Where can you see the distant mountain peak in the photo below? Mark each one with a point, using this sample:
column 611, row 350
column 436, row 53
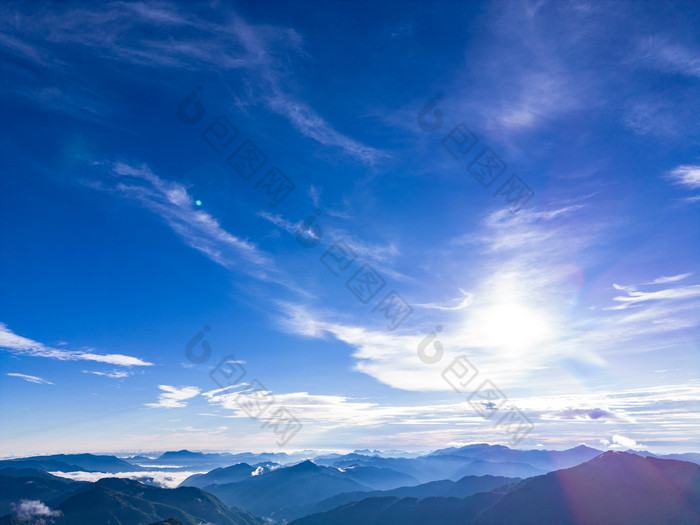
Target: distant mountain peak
column 117, row 483
column 182, row 454
column 305, row 466
column 582, row 446
column 617, row 454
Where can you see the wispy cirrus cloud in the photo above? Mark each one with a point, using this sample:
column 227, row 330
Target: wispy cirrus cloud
column 635, row 297
column 543, row 86
column 171, row 201
column 309, row 123
column 583, row 414
column 20, row 345
column 380, row 253
column 114, row 374
column 133, row 33
column 686, row 175
column 670, row 279
column 31, row 379
column 457, row 304
column 634, row 288
column 334, row 411
column 174, row 397
column 669, row 57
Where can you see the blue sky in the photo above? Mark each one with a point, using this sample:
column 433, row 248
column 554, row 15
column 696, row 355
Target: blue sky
column 125, row 233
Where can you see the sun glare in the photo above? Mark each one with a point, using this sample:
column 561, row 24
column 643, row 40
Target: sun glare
column 511, row 325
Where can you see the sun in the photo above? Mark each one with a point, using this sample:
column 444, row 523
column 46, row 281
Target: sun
column 511, row 326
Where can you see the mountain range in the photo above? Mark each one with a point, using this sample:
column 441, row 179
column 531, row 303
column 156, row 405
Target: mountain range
column 73, row 463
column 223, row 475
column 120, row 501
column 578, row 486
column 464, row 487
column 615, row 488
column 287, row 487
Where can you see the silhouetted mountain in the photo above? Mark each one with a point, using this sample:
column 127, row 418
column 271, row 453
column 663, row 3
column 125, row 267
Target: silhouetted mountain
column 186, row 455
column 122, row 501
column 478, row 459
column 405, row 511
column 28, row 472
column 115, row 501
column 29, row 484
column 615, row 488
column 73, row 462
column 285, row 487
column 416, row 468
column 541, row 460
column 223, row 475
column 188, row 458
column 687, row 456
column 46, row 465
column 265, row 457
column 171, row 521
column 321, row 459
column 464, row 487
column 492, row 468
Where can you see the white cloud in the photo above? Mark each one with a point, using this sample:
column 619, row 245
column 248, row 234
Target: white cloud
column 670, row 279
column 165, row 479
column 392, row 357
column 458, row 304
column 333, row 411
column 622, row 442
column 19, row 345
column 686, row 175
column 673, row 405
column 632, row 404
column 31, row 379
column 30, row 509
column 635, row 297
column 114, row 374
column 173, row 397
column 527, row 272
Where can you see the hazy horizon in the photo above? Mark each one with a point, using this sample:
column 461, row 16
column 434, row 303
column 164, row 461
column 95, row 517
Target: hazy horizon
column 291, row 452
